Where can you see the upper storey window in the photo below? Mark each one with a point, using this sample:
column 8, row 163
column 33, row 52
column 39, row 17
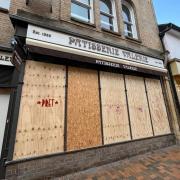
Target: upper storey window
column 129, row 20
column 4, row 4
column 82, row 10
column 108, row 17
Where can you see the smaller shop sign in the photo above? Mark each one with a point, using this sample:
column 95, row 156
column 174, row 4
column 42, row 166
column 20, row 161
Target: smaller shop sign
column 18, row 56
column 16, row 60
column 117, row 65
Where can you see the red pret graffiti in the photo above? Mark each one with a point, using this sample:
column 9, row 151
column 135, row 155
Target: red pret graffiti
column 47, row 102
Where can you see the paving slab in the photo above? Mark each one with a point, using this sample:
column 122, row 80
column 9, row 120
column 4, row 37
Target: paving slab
column 162, row 164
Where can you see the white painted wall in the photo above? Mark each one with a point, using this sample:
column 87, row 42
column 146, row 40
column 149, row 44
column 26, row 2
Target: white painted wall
column 171, row 42
column 4, row 103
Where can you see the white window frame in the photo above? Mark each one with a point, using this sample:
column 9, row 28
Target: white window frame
column 113, row 15
column 133, row 23
column 5, row 4
column 89, row 7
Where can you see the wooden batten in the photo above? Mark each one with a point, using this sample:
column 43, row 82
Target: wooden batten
column 157, row 107
column 83, row 109
column 40, row 128
column 138, row 108
column 114, row 108
column 5, row 90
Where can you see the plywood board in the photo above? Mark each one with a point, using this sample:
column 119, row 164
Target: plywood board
column 40, row 127
column 83, row 109
column 157, row 107
column 138, row 108
column 114, row 108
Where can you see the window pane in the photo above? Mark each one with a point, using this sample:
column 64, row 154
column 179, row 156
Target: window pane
column 106, row 22
column 5, row 4
column 80, row 12
column 126, row 14
column 128, row 30
column 105, row 6
column 128, row 34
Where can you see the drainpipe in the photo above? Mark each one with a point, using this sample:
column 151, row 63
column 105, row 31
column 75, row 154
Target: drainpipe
column 166, row 58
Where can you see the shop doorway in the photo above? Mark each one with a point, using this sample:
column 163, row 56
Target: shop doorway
column 4, row 103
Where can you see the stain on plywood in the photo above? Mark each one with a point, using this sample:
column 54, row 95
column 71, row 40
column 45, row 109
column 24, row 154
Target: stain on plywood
column 83, row 109
column 138, row 108
column 40, row 127
column 157, row 107
column 114, row 108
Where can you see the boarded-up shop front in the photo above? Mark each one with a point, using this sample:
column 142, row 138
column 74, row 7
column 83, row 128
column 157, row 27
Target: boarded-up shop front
column 78, row 101
column 70, row 108
column 101, row 107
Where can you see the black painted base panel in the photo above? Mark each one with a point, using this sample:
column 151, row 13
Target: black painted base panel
column 58, row 165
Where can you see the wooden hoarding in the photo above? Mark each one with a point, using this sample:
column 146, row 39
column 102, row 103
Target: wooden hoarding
column 157, row 107
column 114, row 108
column 83, row 109
column 40, row 128
column 138, row 108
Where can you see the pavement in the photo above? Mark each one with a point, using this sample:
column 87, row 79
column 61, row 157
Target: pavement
column 162, row 164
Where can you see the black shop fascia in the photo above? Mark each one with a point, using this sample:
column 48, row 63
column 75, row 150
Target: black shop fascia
column 56, row 45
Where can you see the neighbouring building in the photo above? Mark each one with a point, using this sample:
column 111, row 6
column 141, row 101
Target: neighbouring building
column 6, row 75
column 170, row 35
column 90, row 86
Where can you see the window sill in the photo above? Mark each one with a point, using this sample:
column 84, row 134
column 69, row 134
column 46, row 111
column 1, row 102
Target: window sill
column 133, row 39
column 83, row 22
column 111, row 32
column 4, row 10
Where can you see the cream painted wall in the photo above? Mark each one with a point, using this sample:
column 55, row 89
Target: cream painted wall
column 171, row 41
column 4, row 103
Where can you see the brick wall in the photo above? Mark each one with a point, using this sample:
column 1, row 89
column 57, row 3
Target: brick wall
column 41, row 7
column 6, row 29
column 148, row 29
column 58, row 165
column 61, row 9
column 146, row 22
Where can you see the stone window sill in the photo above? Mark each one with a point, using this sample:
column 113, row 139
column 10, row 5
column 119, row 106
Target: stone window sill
column 83, row 22
column 111, row 32
column 133, row 39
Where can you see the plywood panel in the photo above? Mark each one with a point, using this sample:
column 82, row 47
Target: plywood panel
column 83, row 117
column 40, row 128
column 157, row 107
column 114, row 108
column 138, row 108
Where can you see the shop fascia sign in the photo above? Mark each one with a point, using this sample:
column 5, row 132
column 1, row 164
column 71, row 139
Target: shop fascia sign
column 16, row 60
column 5, row 58
column 76, row 43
